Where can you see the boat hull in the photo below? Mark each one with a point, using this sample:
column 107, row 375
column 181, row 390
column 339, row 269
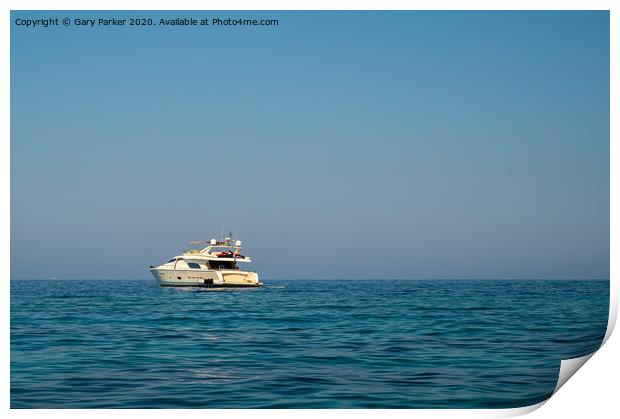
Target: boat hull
column 205, row 278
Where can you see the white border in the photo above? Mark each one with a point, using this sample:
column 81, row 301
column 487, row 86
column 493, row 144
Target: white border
column 574, row 400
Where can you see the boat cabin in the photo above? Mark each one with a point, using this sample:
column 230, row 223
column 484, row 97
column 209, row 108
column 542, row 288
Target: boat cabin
column 214, row 265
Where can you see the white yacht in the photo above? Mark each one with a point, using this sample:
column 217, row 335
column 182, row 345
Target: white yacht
column 213, row 266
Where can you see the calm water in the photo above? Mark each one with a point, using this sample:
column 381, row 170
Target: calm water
column 298, row 344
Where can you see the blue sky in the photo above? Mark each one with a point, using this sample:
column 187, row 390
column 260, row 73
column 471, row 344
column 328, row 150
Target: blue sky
column 337, row 144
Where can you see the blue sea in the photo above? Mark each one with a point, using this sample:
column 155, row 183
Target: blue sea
column 298, row 343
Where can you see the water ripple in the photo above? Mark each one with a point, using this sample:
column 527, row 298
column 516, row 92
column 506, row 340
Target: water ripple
column 298, row 344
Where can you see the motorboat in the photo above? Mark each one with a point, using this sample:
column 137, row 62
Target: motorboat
column 214, row 266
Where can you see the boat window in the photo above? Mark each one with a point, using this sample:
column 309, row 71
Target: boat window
column 193, row 265
column 222, row 264
column 172, row 260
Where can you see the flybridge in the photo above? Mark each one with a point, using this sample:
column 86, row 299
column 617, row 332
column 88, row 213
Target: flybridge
column 227, row 242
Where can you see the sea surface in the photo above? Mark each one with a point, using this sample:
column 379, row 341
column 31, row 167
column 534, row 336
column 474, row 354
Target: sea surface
column 298, row 343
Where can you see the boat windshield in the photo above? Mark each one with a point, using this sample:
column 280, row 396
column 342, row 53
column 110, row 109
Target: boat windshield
column 218, row 249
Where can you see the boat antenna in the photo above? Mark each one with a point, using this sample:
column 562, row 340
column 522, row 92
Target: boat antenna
column 222, row 233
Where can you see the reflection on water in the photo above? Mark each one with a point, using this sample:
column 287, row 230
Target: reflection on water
column 300, row 344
